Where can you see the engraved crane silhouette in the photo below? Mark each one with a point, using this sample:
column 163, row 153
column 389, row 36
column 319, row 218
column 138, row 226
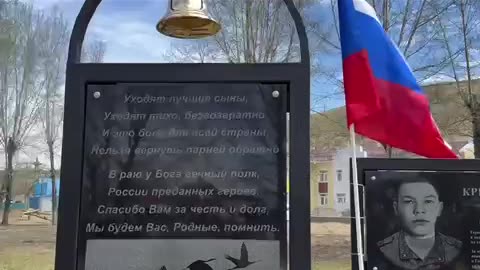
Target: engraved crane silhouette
column 243, row 261
column 200, row 265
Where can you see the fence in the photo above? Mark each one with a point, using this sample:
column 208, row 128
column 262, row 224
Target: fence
column 15, row 206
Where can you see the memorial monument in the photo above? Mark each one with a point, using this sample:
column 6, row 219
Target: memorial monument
column 175, row 166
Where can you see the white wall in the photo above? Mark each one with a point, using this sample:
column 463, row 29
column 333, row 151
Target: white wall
column 342, row 187
column 45, row 204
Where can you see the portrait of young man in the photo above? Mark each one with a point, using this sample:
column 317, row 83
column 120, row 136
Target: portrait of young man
column 417, row 244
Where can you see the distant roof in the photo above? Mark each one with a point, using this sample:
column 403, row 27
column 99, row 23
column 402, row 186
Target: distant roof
column 377, row 150
column 317, row 156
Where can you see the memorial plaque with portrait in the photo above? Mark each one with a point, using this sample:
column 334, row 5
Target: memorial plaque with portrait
column 422, row 220
column 184, row 175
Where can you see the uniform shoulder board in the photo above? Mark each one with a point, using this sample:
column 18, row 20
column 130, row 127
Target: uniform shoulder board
column 387, row 240
column 451, row 241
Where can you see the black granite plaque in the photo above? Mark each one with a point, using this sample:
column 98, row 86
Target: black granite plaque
column 183, row 162
column 423, row 220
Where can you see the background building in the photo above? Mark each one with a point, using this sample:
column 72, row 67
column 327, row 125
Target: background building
column 341, row 169
column 41, row 198
column 330, row 182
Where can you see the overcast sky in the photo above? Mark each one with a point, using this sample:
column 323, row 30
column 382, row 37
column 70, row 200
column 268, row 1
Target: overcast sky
column 126, row 26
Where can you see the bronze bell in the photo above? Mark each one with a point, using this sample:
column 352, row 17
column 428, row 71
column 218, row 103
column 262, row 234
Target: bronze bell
column 188, row 19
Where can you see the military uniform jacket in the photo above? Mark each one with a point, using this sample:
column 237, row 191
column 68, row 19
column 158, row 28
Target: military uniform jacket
column 397, row 255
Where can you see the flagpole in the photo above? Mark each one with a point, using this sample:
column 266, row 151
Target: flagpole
column 356, row 198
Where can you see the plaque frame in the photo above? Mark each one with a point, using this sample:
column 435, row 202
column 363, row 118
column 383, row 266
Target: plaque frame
column 369, row 165
column 295, row 75
column 106, row 93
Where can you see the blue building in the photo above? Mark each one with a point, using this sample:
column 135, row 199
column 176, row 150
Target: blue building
column 41, row 198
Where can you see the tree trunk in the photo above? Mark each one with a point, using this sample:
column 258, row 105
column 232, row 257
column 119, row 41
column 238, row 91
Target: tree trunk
column 26, row 196
column 389, row 151
column 11, row 148
column 476, row 135
column 54, row 188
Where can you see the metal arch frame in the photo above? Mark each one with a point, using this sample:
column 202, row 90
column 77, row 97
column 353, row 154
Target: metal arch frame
column 90, row 6
column 295, row 75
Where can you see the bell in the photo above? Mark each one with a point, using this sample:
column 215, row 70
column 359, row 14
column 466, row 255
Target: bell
column 187, row 19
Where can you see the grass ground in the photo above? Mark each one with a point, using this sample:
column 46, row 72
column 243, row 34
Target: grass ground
column 30, row 245
column 333, row 265
column 26, row 259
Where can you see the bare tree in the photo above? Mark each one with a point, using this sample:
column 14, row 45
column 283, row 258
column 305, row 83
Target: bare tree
column 54, row 40
column 200, row 51
column 53, row 43
column 93, row 51
column 410, row 25
column 253, row 31
column 20, row 100
column 460, row 42
column 5, row 48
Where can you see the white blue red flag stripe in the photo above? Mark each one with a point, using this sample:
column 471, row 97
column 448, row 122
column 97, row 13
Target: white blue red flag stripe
column 383, row 99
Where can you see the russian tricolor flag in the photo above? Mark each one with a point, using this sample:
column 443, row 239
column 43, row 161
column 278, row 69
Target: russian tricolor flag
column 383, row 99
